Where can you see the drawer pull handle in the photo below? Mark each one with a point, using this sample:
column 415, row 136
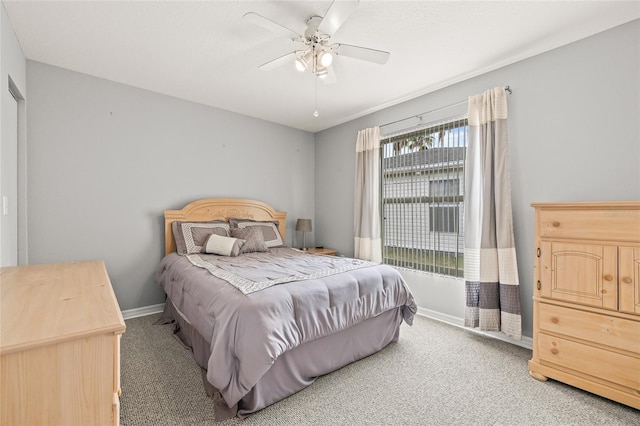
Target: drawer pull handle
column 538, row 252
column 608, row 277
column 556, row 223
column 554, row 351
column 555, row 320
column 627, row 280
column 539, row 285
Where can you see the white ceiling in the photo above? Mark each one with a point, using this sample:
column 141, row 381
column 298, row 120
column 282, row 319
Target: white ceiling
column 204, row 52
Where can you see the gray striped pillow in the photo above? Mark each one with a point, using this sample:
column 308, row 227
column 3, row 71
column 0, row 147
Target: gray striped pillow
column 252, row 236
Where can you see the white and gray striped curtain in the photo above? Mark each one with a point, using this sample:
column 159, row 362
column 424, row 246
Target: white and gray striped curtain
column 490, row 268
column 368, row 240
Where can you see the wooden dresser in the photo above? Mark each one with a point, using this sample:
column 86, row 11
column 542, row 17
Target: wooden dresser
column 586, row 329
column 59, row 345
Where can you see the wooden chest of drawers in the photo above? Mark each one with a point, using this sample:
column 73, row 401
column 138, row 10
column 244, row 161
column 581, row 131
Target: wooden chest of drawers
column 587, row 297
column 59, row 346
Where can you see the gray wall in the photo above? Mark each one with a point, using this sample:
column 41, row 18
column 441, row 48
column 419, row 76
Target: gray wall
column 574, row 135
column 106, row 159
column 12, row 73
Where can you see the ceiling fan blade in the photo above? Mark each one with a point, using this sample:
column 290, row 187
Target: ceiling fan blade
column 272, row 26
column 278, row 62
column 337, row 13
column 363, row 53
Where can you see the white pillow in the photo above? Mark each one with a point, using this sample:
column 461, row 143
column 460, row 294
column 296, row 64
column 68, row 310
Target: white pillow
column 223, row 246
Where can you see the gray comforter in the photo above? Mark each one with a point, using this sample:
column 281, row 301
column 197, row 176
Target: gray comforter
column 248, row 332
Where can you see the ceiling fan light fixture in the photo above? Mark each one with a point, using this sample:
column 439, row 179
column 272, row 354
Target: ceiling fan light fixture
column 302, row 61
column 322, row 72
column 300, row 65
column 325, row 59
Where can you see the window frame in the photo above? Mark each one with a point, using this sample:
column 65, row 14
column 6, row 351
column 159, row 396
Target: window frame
column 400, row 250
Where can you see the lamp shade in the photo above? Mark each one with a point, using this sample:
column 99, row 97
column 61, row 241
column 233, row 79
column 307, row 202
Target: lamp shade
column 303, row 225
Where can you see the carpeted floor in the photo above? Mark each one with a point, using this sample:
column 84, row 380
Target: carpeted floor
column 435, row 375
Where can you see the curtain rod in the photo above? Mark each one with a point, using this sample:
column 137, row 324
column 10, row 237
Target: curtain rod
column 507, row 89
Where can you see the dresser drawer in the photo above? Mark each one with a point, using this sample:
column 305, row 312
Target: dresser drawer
column 596, row 224
column 605, row 330
column 611, row 366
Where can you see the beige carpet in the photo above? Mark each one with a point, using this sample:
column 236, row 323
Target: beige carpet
column 435, row 375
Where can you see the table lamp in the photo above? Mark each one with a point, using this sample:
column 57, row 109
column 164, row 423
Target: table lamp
column 303, row 225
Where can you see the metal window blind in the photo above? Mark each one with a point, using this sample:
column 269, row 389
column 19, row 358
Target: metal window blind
column 423, row 197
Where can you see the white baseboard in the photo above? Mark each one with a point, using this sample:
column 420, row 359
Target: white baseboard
column 449, row 319
column 143, row 311
column 526, row 342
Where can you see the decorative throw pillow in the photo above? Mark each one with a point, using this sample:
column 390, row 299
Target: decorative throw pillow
column 254, row 241
column 190, row 236
column 269, row 229
column 223, row 246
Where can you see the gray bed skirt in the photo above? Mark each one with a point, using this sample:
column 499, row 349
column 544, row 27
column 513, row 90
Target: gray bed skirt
column 295, row 369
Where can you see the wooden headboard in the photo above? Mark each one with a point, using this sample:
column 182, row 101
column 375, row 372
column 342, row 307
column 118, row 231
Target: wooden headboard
column 220, row 209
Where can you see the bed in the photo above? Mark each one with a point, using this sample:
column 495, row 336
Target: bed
column 264, row 324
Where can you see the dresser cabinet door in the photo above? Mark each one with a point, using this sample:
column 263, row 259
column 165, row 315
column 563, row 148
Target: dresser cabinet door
column 629, row 280
column 580, row 273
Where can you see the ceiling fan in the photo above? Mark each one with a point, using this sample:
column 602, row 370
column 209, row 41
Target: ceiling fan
column 316, row 52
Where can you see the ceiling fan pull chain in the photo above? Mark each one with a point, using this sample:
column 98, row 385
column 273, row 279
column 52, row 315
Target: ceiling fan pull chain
column 315, row 114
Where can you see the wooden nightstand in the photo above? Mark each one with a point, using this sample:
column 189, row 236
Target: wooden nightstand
column 328, row 252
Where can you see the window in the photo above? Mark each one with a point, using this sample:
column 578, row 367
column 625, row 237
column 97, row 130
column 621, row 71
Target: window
column 422, row 198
